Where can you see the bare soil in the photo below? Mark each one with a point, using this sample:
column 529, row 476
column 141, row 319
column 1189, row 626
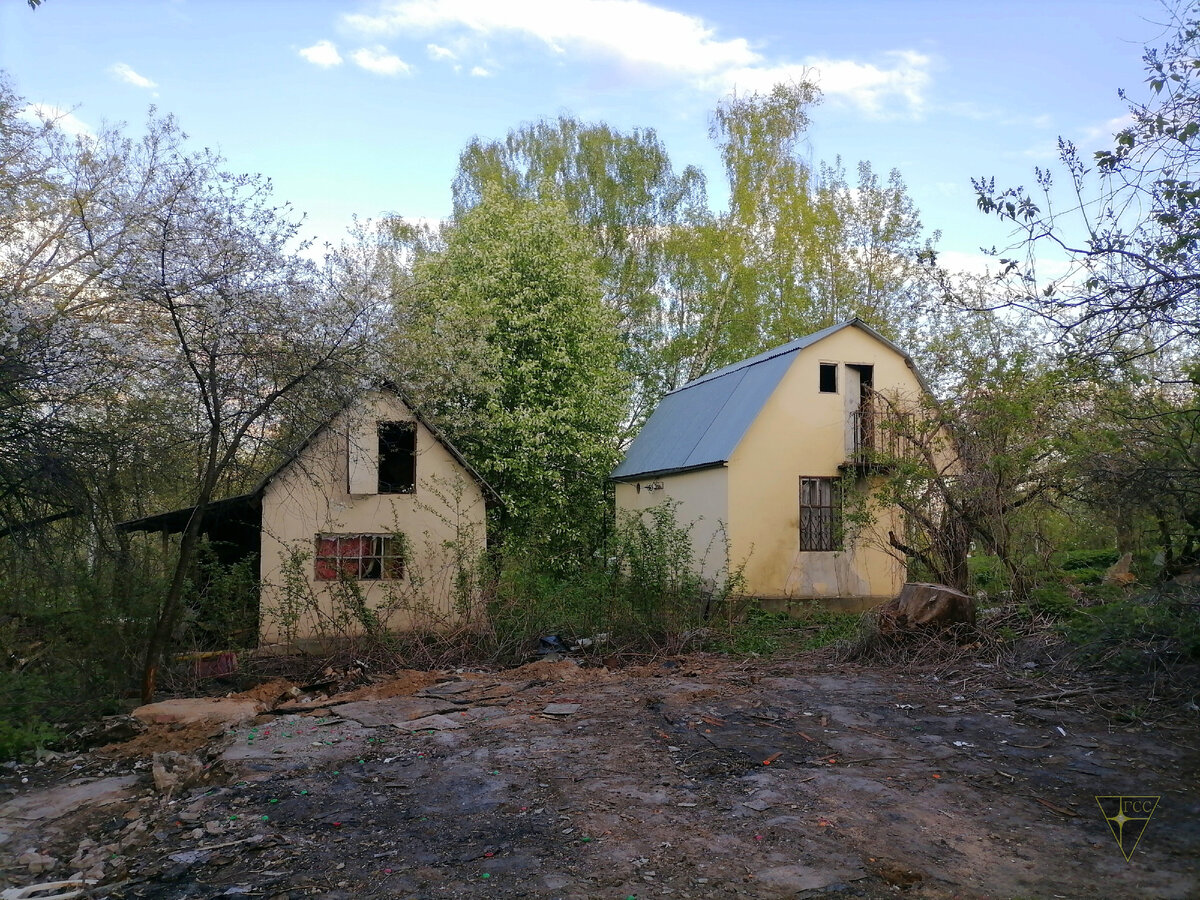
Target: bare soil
column 690, row 777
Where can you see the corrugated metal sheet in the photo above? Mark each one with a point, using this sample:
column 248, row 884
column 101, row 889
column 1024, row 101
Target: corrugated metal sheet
column 701, row 423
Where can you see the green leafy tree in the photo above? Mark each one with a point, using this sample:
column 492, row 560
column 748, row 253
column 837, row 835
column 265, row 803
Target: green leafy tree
column 623, row 191
column 985, row 463
column 518, row 301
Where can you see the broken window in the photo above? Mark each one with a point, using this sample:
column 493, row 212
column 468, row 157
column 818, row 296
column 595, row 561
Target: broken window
column 397, row 457
column 828, row 378
column 358, row 557
column 820, row 514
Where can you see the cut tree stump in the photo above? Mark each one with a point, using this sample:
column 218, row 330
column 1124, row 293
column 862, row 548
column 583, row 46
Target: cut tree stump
column 924, row 606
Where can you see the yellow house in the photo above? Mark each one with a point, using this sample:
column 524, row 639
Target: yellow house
column 375, row 517
column 755, row 456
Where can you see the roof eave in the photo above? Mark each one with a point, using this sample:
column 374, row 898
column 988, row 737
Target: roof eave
column 678, row 470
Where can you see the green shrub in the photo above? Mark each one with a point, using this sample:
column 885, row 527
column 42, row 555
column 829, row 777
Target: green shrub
column 1088, row 575
column 1071, row 560
column 1052, row 600
column 987, row 574
column 767, row 633
column 648, row 595
column 1136, row 634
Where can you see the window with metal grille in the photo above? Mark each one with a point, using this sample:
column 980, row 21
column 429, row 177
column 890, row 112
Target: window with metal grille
column 820, row 514
column 358, row 557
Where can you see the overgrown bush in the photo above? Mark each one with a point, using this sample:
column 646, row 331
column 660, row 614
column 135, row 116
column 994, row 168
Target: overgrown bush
column 1140, row 633
column 71, row 638
column 1052, row 600
column 1071, row 560
column 648, row 595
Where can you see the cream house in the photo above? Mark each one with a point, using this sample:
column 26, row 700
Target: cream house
column 755, row 456
column 375, row 505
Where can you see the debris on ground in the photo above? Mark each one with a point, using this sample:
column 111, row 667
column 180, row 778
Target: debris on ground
column 689, row 777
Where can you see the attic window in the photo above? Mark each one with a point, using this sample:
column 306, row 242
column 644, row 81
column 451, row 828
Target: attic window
column 358, row 557
column 828, row 378
column 397, row 457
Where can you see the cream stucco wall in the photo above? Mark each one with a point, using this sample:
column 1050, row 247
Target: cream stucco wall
column 802, row 432
column 703, row 505
column 443, row 520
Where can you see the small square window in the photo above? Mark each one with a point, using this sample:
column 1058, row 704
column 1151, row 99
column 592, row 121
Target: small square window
column 829, row 378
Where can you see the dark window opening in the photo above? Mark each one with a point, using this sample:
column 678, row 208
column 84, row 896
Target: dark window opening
column 358, row 557
column 397, row 457
column 820, row 514
column 828, row 378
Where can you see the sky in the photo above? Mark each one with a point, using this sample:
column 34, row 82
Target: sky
column 360, row 108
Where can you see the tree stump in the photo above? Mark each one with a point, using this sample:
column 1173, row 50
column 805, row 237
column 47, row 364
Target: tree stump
column 926, row 606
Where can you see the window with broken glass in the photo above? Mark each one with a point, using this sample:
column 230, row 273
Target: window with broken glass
column 820, row 514
column 358, row 557
column 397, row 457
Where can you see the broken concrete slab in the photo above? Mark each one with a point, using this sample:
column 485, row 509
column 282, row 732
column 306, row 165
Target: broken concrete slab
column 58, row 801
column 454, row 688
column 189, row 710
column 376, row 713
column 429, row 723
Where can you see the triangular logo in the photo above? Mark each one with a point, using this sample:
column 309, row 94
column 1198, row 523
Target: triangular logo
column 1127, row 818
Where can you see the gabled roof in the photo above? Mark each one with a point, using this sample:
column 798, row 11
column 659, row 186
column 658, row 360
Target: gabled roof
column 176, row 520
column 700, row 424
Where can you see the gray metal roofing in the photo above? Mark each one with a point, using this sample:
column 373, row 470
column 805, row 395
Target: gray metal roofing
column 700, row 424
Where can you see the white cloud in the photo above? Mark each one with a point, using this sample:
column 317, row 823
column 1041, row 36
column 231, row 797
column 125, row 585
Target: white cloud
column 968, row 263
column 126, row 73
column 377, row 59
column 323, row 54
column 62, row 118
column 1106, row 130
column 645, row 37
column 480, row 72
column 634, row 31
column 881, row 90
column 436, row 52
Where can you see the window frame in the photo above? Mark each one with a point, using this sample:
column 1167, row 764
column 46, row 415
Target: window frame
column 820, row 523
column 382, row 561
column 387, row 487
column 822, row 369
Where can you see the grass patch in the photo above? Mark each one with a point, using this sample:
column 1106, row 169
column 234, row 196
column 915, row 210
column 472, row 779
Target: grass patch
column 764, row 633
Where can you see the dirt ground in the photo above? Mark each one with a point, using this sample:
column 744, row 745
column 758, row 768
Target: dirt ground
column 689, row 777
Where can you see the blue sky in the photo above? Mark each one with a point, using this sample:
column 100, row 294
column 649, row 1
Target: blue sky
column 361, row 108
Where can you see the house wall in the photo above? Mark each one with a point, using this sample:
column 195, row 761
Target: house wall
column 313, row 496
column 802, row 432
column 703, row 505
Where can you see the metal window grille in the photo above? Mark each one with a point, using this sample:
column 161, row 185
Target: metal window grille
column 358, row 557
column 820, row 514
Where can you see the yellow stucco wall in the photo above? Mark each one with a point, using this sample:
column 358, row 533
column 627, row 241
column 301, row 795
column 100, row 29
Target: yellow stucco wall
column 802, row 432
column 701, row 496
column 311, row 496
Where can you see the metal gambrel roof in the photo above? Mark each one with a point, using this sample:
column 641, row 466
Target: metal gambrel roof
column 700, row 424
